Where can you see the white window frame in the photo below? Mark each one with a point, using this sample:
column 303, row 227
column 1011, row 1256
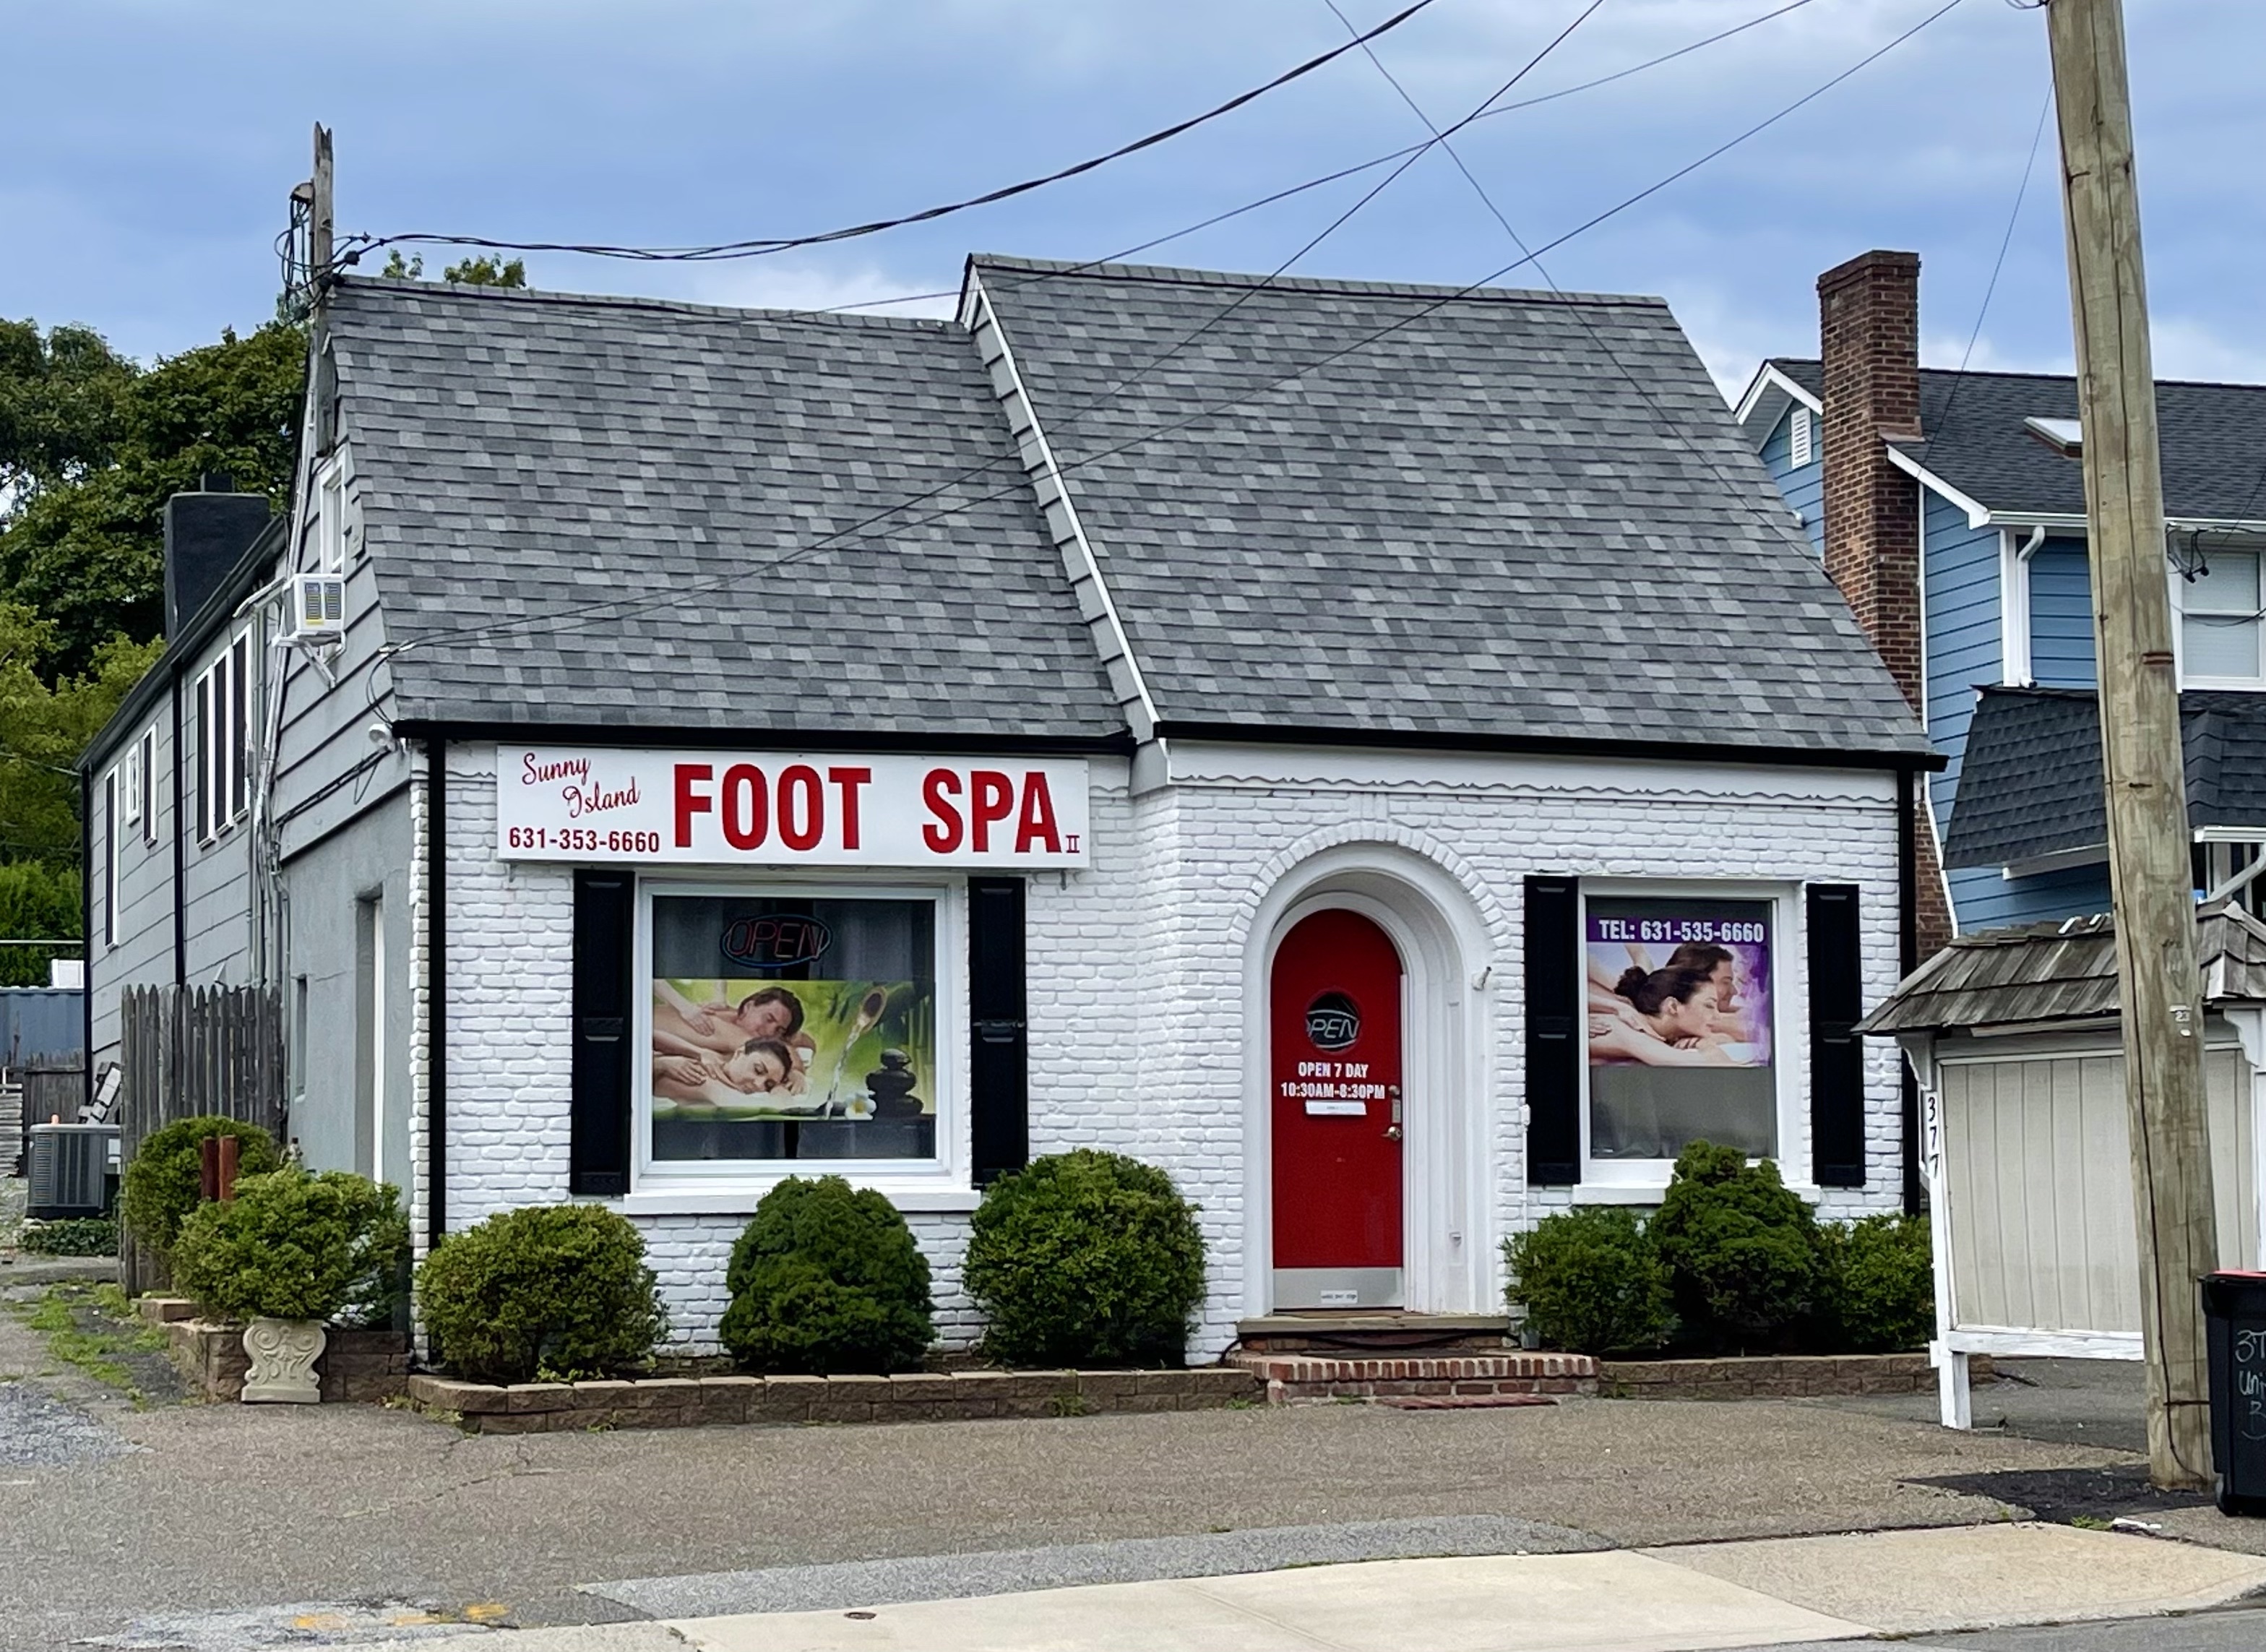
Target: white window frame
column 145, row 768
column 2179, row 589
column 223, row 713
column 1642, row 1181
column 734, row 1185
column 330, row 518
column 111, row 814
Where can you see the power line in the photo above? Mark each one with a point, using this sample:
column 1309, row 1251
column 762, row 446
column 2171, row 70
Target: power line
column 1667, row 425
column 1990, row 288
column 763, row 247
column 1371, row 164
column 624, row 608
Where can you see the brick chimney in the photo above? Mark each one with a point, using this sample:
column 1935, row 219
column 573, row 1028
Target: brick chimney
column 1869, row 338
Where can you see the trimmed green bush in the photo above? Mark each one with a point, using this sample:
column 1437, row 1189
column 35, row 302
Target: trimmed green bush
column 296, row 1244
column 164, row 1179
column 827, row 1280
column 1592, row 1280
column 1876, row 1284
column 73, row 1235
column 1086, row 1258
column 1740, row 1249
column 555, row 1287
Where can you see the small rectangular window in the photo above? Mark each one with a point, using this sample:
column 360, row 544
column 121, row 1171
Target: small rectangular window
column 207, row 724
column 331, row 524
column 110, row 859
column 2220, row 622
column 145, row 764
column 239, row 727
column 1799, row 439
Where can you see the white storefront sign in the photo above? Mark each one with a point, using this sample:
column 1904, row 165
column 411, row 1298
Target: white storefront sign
column 773, row 808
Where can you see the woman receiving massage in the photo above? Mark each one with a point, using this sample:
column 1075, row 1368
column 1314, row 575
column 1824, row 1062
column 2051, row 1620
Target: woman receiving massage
column 1665, row 1018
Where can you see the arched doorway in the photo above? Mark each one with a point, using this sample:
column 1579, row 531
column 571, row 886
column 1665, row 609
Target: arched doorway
column 1336, row 1006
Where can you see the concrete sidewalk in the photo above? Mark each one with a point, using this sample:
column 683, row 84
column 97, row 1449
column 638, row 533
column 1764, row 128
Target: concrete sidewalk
column 1696, row 1598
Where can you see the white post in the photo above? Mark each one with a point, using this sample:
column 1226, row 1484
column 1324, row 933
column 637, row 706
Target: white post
column 1951, row 1373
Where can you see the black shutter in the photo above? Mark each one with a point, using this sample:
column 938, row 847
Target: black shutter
column 1553, row 1032
column 998, row 1064
column 1837, row 1055
column 598, row 1156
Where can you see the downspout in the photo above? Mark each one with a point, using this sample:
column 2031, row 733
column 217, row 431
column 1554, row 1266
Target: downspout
column 437, row 998
column 86, row 946
column 180, row 858
column 1907, row 960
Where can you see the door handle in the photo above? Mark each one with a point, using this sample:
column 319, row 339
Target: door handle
column 1393, row 1132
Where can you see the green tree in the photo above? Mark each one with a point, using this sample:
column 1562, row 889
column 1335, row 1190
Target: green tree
column 94, row 460
column 44, row 725
column 472, row 271
column 36, row 899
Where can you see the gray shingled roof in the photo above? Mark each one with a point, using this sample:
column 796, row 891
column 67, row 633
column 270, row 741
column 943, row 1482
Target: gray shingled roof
column 545, row 456
column 1475, row 525
column 2060, row 971
column 2031, row 783
column 2212, row 438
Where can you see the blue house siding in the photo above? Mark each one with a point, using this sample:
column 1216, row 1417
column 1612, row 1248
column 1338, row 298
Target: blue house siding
column 2061, row 615
column 1984, row 900
column 1959, row 581
column 1804, row 484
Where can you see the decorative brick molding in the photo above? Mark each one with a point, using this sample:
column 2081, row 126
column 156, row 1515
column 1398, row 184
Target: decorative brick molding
column 1791, row 1377
column 1294, row 1379
column 676, row 1402
column 365, row 1366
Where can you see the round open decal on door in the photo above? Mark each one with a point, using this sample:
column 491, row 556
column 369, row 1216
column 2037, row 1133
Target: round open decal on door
column 1336, row 1115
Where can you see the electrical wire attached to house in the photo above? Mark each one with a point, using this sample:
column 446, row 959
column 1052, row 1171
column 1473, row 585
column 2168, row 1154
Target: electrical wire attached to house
column 613, row 610
column 353, row 247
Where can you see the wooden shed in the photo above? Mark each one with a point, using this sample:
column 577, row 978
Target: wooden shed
column 2014, row 1036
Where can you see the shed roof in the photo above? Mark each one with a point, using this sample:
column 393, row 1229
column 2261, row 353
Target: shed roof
column 2212, row 435
column 2064, row 971
column 2030, row 783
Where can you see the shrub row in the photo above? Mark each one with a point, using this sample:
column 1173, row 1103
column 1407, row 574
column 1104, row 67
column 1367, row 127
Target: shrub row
column 1734, row 1261
column 1083, row 1258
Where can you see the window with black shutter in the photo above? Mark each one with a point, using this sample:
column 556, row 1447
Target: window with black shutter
column 999, row 1062
column 605, row 918
column 1553, row 1028
column 1836, row 1055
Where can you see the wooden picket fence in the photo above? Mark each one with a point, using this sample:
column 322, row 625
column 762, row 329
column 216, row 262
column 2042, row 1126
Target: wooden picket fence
column 188, row 1051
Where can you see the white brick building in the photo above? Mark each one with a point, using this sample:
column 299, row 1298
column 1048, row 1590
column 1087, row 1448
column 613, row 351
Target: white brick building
column 1461, row 787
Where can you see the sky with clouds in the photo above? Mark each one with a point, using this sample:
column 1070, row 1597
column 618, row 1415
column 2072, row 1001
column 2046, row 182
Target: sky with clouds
column 147, row 149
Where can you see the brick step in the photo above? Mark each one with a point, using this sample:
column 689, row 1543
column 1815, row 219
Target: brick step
column 1386, row 1335
column 1304, row 1378
column 1460, row 1402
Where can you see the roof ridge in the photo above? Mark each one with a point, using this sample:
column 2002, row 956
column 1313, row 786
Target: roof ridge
column 1167, row 275
column 419, row 287
column 2003, row 372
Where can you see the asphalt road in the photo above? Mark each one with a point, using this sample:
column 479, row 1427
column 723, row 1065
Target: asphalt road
column 2235, row 1629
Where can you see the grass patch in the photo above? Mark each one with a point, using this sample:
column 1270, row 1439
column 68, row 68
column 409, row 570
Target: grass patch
column 93, row 1328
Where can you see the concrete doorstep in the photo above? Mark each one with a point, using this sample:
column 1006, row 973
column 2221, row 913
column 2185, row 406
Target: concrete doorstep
column 1699, row 1598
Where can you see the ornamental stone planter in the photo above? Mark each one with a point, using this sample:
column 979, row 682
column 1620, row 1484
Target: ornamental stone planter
column 368, row 1366
column 282, row 1354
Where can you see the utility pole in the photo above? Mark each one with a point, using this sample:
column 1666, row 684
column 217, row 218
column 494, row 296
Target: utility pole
column 319, row 220
column 2148, row 842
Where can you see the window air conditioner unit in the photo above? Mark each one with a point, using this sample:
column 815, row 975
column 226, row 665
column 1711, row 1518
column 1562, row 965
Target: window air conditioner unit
column 319, row 609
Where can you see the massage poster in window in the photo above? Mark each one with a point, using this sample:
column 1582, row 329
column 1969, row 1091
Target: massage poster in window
column 1679, row 1027
column 793, row 1027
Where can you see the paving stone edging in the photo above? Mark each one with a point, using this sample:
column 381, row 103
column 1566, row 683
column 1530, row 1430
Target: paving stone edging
column 1783, row 1377
column 671, row 1402
column 354, row 1366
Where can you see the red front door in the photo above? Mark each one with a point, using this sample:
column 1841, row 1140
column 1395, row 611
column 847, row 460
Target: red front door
column 1337, row 1123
